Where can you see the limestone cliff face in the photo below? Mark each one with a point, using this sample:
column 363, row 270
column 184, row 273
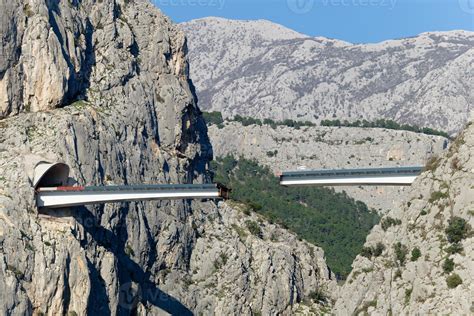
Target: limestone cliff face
column 103, row 86
column 243, row 265
column 286, row 148
column 54, row 51
column 426, row 260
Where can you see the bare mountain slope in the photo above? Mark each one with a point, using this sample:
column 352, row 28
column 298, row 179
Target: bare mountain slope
column 243, row 67
column 425, row 258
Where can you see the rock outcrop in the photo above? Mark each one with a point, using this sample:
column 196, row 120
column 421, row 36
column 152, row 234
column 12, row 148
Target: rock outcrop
column 425, row 255
column 103, row 86
column 259, row 69
column 241, row 264
column 286, row 148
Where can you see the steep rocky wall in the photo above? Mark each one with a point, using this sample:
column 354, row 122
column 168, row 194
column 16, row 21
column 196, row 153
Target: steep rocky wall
column 243, row 265
column 103, row 86
column 286, row 148
column 401, row 280
column 133, row 119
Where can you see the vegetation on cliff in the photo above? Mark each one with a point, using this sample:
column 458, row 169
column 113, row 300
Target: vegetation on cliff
column 334, row 221
column 216, row 118
column 388, row 124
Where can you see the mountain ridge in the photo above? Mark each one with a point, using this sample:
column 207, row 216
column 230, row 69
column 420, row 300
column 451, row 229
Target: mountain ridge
column 217, row 19
column 424, row 80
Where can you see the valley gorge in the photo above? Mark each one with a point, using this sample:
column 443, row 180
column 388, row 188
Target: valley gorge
column 116, row 90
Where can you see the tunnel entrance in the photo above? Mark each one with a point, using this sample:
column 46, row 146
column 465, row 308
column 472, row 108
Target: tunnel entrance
column 50, row 175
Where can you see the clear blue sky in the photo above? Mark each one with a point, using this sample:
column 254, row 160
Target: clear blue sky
column 356, row 21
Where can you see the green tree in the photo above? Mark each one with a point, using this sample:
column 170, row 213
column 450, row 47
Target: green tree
column 213, row 118
column 448, row 265
column 453, row 281
column 457, row 229
column 401, row 252
column 415, row 254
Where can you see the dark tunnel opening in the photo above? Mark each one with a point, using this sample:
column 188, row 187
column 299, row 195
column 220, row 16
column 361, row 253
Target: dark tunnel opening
column 50, row 175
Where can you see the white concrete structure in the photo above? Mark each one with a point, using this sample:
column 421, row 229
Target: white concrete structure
column 50, row 183
column 50, row 174
column 400, row 176
column 61, row 197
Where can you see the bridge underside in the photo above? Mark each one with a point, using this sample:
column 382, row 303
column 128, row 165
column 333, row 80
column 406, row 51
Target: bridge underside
column 396, row 181
column 63, row 197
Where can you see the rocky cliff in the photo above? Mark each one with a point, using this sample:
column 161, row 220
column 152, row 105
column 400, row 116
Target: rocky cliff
column 421, row 258
column 286, row 148
column 260, row 69
column 103, row 86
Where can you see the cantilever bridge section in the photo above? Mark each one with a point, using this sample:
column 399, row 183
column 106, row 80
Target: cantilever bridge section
column 398, row 176
column 61, row 197
column 53, row 190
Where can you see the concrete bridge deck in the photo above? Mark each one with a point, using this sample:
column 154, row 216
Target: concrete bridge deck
column 68, row 196
column 398, row 176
